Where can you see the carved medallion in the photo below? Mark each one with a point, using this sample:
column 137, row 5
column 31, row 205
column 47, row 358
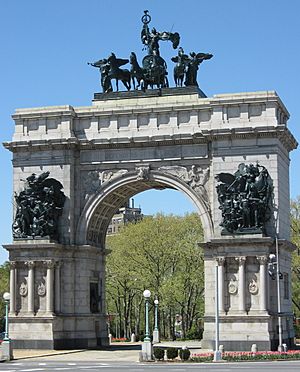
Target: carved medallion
column 253, row 286
column 23, row 289
column 41, row 289
column 233, row 286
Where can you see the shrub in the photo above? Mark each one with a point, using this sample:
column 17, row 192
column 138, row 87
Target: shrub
column 184, row 354
column 172, row 352
column 159, row 353
column 194, row 333
column 297, row 330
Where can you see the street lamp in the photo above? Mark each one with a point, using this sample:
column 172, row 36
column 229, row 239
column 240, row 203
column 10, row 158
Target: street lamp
column 274, row 272
column 217, row 352
column 156, row 331
column 6, row 298
column 147, row 350
column 147, row 295
column 7, row 351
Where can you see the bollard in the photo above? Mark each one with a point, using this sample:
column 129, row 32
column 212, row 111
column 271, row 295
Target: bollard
column 285, row 349
column 109, row 338
column 221, row 349
column 133, row 338
column 254, row 348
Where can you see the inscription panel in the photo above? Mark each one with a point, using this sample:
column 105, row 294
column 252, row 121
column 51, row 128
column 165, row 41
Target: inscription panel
column 142, row 154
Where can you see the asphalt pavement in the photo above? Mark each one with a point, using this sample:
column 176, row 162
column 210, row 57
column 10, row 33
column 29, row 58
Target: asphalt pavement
column 125, row 357
column 36, row 366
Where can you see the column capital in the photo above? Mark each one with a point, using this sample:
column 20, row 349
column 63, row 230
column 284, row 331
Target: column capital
column 12, row 264
column 262, row 260
column 220, row 261
column 49, row 264
column 30, row 264
column 58, row 264
column 241, row 260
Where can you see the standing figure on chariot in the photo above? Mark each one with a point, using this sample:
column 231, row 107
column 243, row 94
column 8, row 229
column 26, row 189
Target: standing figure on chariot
column 154, row 66
column 151, row 38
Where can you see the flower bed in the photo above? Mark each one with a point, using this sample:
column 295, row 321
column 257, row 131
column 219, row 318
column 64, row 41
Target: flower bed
column 247, row 355
column 120, row 339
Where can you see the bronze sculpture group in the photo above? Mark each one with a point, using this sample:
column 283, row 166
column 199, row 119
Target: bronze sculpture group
column 245, row 199
column 38, row 207
column 153, row 72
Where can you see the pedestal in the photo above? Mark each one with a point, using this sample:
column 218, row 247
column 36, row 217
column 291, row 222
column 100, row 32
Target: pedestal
column 59, row 295
column 7, row 350
column 250, row 299
column 147, row 351
column 156, row 337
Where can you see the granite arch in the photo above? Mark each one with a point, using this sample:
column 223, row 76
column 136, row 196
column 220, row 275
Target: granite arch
column 100, row 207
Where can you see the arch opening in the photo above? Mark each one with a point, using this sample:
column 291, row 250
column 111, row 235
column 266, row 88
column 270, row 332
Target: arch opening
column 101, row 207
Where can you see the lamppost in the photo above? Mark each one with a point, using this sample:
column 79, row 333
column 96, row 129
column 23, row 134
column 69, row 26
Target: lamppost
column 6, row 345
column 217, row 353
column 274, row 266
column 147, row 344
column 156, row 331
column 6, row 298
column 147, row 295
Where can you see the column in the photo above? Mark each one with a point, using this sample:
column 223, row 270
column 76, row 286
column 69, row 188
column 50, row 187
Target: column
column 49, row 286
column 221, row 278
column 263, row 281
column 30, row 281
column 12, row 286
column 242, row 282
column 57, row 287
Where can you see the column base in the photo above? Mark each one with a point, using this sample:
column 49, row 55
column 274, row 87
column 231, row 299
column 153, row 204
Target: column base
column 58, row 332
column 239, row 332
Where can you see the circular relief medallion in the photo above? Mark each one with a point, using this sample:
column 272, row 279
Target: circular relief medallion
column 253, row 287
column 41, row 289
column 232, row 288
column 23, row 289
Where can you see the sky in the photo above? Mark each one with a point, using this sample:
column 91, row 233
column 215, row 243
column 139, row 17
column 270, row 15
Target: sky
column 45, row 47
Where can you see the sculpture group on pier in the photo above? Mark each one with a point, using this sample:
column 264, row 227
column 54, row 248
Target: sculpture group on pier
column 38, row 207
column 245, row 199
column 153, row 72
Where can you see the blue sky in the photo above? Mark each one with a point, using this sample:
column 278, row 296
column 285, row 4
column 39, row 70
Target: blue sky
column 46, row 45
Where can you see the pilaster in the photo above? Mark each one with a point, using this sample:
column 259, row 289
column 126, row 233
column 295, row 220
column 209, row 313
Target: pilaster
column 263, row 260
column 30, row 280
column 242, row 282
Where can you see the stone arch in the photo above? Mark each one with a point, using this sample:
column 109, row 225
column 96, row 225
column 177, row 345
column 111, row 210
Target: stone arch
column 100, row 208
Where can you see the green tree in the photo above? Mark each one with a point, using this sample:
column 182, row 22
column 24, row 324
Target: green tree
column 4, row 287
column 161, row 254
column 295, row 237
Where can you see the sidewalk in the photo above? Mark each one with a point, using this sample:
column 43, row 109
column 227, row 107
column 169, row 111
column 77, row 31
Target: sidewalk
column 118, row 351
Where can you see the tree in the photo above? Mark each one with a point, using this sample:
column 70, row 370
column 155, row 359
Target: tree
column 4, row 287
column 161, row 254
column 295, row 237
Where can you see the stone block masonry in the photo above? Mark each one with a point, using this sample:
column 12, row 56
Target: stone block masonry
column 126, row 143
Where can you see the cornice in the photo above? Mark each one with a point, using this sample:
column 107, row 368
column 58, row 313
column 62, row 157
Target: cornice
column 73, row 143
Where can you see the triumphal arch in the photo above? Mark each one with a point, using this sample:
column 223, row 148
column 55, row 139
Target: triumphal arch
column 75, row 166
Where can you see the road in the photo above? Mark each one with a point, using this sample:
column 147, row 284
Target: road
column 37, row 366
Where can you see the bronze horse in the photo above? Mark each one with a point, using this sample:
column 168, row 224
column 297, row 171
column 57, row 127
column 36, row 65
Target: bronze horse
column 136, row 72
column 115, row 72
column 153, row 72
